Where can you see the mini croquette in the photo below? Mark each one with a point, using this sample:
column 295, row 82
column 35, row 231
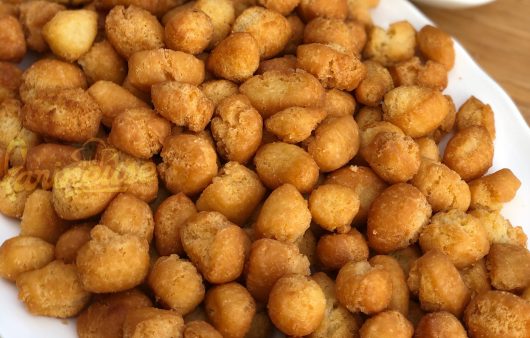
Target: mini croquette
column 333, row 207
column 152, row 323
column 22, row 254
column 335, row 250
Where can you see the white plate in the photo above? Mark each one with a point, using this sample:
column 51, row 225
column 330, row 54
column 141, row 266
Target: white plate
column 454, row 4
column 512, row 150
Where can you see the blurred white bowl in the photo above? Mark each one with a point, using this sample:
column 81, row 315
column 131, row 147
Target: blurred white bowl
column 453, row 4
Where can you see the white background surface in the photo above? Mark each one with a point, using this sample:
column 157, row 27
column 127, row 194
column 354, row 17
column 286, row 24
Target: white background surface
column 512, row 150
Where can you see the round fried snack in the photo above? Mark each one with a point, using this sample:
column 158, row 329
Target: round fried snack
column 396, row 218
column 200, row 329
column 492, row 191
column 475, row 113
column 387, row 323
column 176, row 284
column 127, row 214
column 33, row 16
column 236, row 58
column 189, row 163
column 283, row 63
column 331, row 32
column 284, row 215
column 440, row 324
column 54, row 290
column 218, row 90
column 13, row 192
column 400, row 290
column 297, row 34
column 295, row 124
column 310, row 9
column 296, row 305
column 339, row 103
column 469, row 152
column 428, row 149
column 222, row 14
column 363, row 288
column 406, row 256
column 13, row 46
column 71, row 241
column 23, row 253
column 215, row 245
column 476, row 278
column 103, row 63
column 396, row 44
column 189, row 31
column 268, row 261
column 169, row 217
column 335, row 250
column 237, row 129
column 333, row 207
column 436, row 45
column 235, row 193
column 499, row 229
column 375, row 85
column 284, row 7
column 111, row 262
column 232, row 319
column 509, row 267
column 105, row 316
column 457, row 234
column 280, row 163
column 150, row 322
column 437, row 283
column 498, row 314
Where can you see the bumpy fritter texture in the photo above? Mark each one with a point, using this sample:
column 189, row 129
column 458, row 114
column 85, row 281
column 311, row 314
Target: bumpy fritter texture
column 333, row 32
column 103, row 63
column 218, row 90
column 436, row 45
column 189, row 31
column 152, row 323
column 333, row 207
column 476, row 113
column 71, row 241
column 396, row 44
column 335, row 250
column 200, row 329
column 222, row 13
column 13, row 192
column 476, row 278
column 428, row 149
column 33, row 16
column 375, row 85
column 283, row 7
column 387, row 323
column 440, row 324
column 23, row 253
column 492, row 191
column 498, row 228
column 400, row 290
column 413, row 72
column 509, row 267
column 295, row 124
column 54, row 290
column 310, row 9
column 13, row 46
column 339, row 103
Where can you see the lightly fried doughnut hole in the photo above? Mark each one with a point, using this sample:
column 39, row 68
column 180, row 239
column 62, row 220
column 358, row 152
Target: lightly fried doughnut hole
column 440, row 324
column 71, row 241
column 13, row 46
column 400, row 290
column 509, row 267
column 23, row 253
column 375, row 85
column 33, row 16
column 310, row 9
column 111, row 262
column 189, row 31
column 492, row 191
column 333, row 207
column 103, row 63
column 295, row 124
column 475, row 113
column 436, row 45
column 476, row 278
column 387, row 323
column 296, row 305
column 147, row 322
column 396, row 44
column 335, row 250
column 200, row 329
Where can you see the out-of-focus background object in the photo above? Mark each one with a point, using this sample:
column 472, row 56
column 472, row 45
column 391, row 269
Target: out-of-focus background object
column 497, row 35
column 454, row 3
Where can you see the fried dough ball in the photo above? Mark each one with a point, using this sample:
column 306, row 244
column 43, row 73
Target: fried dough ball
column 69, row 115
column 176, row 284
column 13, row 46
column 277, row 90
column 261, row 326
column 113, row 99
column 391, row 46
column 296, row 305
column 335, row 250
column 200, row 329
column 270, row 29
column 331, row 66
column 338, row 103
column 297, row 34
column 375, row 85
column 393, row 156
column 40, row 219
column 448, row 123
column 284, row 63
column 54, row 290
column 443, row 187
column 222, row 14
column 215, row 245
column 492, row 191
column 335, row 9
column 338, row 322
column 14, row 192
column 498, row 314
column 295, row 124
column 457, row 234
column 359, row 11
column 400, row 290
column 189, row 31
column 233, row 318
column 284, row 7
column 133, row 29
column 413, row 72
column 127, row 214
column 189, row 163
column 111, row 262
column 333, row 207
column 330, row 32
column 371, row 129
column 149, row 67
column 437, row 283
column 268, row 261
column 235, row 193
column 476, row 113
column 218, row 90
column 440, row 324
column 387, row 323
column 171, row 214
column 104, row 317
column 418, row 111
column 364, row 182
column 71, row 241
column 83, row 189
column 103, row 63
column 397, row 217
column 361, row 287
column 237, row 129
column 476, row 278
column 49, row 74
column 284, row 215
column 279, row 163
column 10, row 80
column 23, row 253
column 428, row 149
column 406, row 256
column 499, row 229
column 509, row 267
column 70, row 33
column 235, row 58
column 150, row 322
column 335, row 143
column 33, row 16
column 183, row 104
column 469, row 152
column 436, row 45
column 307, row 245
